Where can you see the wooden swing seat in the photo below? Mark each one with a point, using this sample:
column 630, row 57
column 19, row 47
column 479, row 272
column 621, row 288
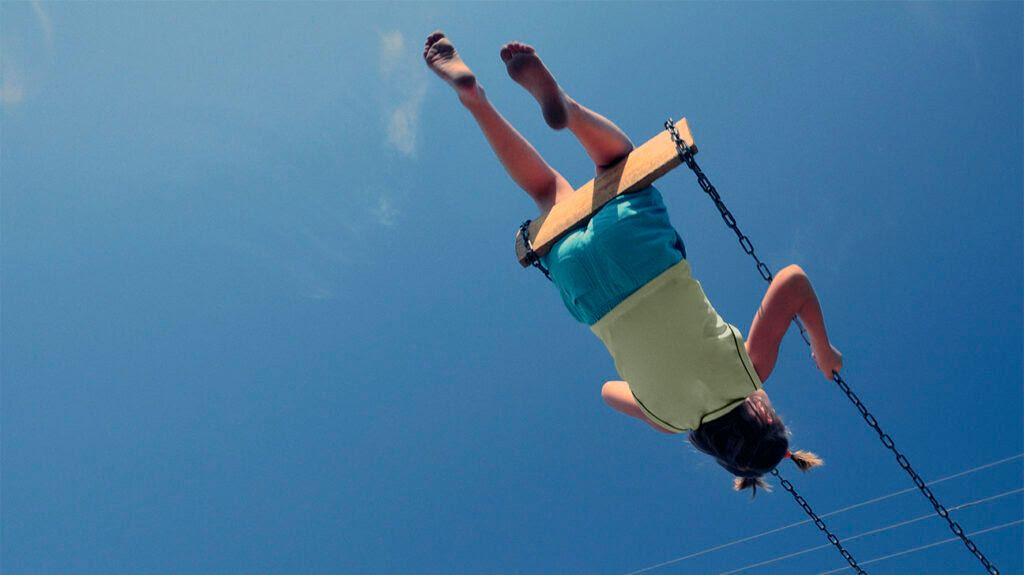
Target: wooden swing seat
column 645, row 164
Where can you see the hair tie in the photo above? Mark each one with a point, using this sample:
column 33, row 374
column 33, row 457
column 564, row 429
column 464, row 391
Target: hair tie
column 788, row 455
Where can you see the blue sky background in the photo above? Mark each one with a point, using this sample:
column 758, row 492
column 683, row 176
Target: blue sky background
column 261, row 313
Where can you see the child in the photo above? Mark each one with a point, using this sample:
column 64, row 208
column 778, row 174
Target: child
column 625, row 274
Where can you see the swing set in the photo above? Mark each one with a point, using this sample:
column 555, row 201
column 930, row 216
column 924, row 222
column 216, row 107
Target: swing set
column 652, row 160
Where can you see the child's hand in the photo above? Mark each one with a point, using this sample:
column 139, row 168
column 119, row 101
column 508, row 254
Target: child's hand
column 827, row 359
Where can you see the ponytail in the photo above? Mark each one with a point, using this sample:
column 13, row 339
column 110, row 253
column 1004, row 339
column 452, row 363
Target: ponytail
column 805, row 460
column 751, row 483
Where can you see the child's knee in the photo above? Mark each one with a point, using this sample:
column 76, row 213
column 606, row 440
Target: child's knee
column 614, row 159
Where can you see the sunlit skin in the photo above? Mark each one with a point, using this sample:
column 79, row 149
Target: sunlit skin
column 790, row 293
column 603, row 141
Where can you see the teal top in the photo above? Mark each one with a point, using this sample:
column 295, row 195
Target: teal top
column 625, row 245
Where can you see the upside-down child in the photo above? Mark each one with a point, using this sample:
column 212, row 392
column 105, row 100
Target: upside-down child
column 625, row 274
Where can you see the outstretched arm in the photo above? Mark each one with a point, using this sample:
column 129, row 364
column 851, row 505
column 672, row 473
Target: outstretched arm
column 790, row 294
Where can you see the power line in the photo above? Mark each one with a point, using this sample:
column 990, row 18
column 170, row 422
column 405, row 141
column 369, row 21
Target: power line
column 930, row 483
column 928, row 546
column 871, row 532
column 829, row 514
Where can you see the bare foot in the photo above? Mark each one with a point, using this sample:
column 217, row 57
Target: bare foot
column 442, row 58
column 525, row 67
column 828, row 360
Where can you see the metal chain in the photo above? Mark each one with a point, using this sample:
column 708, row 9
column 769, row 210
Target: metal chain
column 687, row 156
column 905, row 464
column 531, row 256
column 818, row 522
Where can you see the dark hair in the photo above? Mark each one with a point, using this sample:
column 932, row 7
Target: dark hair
column 749, row 442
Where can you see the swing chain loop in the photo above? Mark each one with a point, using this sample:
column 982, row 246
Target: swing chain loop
column 686, row 155
column 903, row 462
column 818, row 522
column 747, row 245
column 531, row 256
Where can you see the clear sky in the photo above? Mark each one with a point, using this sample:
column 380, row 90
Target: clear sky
column 261, row 312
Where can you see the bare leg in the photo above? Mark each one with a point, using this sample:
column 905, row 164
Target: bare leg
column 522, row 162
column 617, row 395
column 790, row 294
column 604, row 142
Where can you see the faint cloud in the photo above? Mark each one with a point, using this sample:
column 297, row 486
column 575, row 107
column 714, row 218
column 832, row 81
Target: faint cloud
column 314, row 247
column 391, row 46
column 311, row 246
column 44, row 23
column 25, row 58
column 404, row 123
column 319, row 293
column 405, row 85
column 384, row 212
column 12, row 91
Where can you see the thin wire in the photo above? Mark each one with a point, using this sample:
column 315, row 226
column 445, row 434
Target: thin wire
column 829, row 514
column 872, row 532
column 719, row 547
column 937, row 481
column 928, row 546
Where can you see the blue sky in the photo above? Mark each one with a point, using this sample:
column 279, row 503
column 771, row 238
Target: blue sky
column 261, row 313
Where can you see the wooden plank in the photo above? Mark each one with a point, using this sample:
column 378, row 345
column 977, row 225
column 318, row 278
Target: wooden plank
column 639, row 169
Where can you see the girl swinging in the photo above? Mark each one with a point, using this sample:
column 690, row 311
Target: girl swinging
column 625, row 274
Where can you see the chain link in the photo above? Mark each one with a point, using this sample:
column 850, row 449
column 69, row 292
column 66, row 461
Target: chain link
column 686, row 155
column 818, row 522
column 531, row 256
